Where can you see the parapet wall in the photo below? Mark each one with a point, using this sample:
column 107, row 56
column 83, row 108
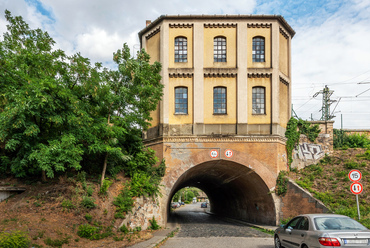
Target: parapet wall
column 299, row 201
column 308, row 153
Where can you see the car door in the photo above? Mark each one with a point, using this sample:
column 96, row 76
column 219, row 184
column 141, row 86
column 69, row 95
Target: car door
column 287, row 240
column 299, row 233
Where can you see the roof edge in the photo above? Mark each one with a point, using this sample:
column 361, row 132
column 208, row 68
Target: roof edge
column 165, row 17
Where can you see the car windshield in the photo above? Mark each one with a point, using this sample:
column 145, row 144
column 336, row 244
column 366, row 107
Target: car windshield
column 337, row 223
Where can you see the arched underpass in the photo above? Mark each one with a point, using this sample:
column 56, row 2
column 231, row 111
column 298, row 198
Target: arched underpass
column 234, row 191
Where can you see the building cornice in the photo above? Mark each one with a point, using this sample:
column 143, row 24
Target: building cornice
column 283, row 80
column 252, row 18
column 220, row 75
column 220, row 25
column 180, row 75
column 154, row 32
column 210, row 139
column 259, row 75
column 180, row 25
column 259, row 25
column 284, row 33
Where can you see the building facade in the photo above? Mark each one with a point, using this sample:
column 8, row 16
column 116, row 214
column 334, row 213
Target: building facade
column 226, row 103
column 222, row 74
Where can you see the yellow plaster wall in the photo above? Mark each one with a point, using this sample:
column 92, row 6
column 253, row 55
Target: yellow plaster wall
column 230, row 117
column 209, row 35
column 259, row 118
column 153, row 48
column 180, row 118
column 155, row 117
column 283, row 102
column 183, row 32
column 283, row 54
column 266, row 33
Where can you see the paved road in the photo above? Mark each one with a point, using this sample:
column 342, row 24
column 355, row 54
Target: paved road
column 199, row 229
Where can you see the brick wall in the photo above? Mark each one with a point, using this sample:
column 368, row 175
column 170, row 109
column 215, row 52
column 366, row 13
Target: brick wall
column 299, row 201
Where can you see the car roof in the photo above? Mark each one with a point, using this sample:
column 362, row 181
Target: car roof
column 324, row 215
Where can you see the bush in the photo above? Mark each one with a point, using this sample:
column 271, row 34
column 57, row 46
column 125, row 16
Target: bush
column 123, row 202
column 68, row 204
column 15, row 239
column 124, row 229
column 88, row 217
column 351, row 165
column 88, row 202
column 343, row 140
column 56, row 242
column 104, row 188
column 281, row 183
column 153, row 224
column 87, row 231
column 89, row 191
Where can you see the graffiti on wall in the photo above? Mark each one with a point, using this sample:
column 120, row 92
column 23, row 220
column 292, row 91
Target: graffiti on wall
column 307, row 151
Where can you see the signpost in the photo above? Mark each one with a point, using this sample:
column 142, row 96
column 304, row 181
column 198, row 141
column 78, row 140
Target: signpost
column 356, row 187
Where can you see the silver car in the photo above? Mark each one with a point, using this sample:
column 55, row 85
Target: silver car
column 322, row 230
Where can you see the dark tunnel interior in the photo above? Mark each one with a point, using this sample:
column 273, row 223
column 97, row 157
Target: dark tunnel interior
column 233, row 190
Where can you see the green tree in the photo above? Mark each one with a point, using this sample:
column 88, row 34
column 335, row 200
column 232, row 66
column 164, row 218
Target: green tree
column 60, row 112
column 37, row 103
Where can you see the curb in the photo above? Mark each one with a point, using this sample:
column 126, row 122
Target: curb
column 157, row 238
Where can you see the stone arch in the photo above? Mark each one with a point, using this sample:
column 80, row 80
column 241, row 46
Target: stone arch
column 238, row 188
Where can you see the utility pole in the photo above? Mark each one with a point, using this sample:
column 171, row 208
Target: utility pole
column 326, row 102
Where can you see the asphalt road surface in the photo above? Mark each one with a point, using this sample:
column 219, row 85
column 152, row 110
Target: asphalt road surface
column 199, row 229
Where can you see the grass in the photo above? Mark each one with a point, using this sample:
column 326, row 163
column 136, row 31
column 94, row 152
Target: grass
column 328, row 181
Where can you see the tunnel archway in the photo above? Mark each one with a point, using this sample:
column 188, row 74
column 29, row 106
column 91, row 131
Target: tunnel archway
column 233, row 189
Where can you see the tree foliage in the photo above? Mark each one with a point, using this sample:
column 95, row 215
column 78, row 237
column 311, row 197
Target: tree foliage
column 60, row 112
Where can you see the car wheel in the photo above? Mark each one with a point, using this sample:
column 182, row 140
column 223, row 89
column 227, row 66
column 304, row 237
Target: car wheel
column 304, row 246
column 277, row 242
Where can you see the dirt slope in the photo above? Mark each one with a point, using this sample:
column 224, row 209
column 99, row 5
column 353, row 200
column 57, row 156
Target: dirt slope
column 53, row 211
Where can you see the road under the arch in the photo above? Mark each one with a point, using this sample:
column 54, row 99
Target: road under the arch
column 234, row 190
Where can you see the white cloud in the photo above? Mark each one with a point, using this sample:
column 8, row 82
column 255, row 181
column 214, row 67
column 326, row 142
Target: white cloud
column 96, row 44
column 333, row 54
column 331, row 45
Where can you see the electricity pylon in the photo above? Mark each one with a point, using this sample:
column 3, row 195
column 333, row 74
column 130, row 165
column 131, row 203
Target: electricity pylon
column 326, row 102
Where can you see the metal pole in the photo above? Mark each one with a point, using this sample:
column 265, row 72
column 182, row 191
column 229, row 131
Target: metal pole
column 341, row 121
column 358, row 207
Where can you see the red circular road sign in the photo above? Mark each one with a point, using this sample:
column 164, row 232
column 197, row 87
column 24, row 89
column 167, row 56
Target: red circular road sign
column 354, row 175
column 356, row 188
column 213, row 153
column 229, row 153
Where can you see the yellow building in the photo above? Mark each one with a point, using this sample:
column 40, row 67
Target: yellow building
column 226, row 103
column 223, row 74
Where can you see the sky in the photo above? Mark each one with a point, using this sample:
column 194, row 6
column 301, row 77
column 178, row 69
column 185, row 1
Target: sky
column 331, row 46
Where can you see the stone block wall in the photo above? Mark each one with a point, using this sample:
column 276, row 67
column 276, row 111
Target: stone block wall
column 145, row 208
column 308, row 153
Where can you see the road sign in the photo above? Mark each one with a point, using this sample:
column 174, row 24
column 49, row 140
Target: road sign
column 229, row 153
column 356, row 188
column 354, row 175
column 213, row 153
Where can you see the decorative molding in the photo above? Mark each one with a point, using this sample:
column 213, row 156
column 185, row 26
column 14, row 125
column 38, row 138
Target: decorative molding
column 220, row 75
column 259, row 75
column 284, row 33
column 154, row 32
column 284, row 81
column 209, row 139
column 181, row 25
column 259, row 25
column 180, row 75
column 220, row 25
